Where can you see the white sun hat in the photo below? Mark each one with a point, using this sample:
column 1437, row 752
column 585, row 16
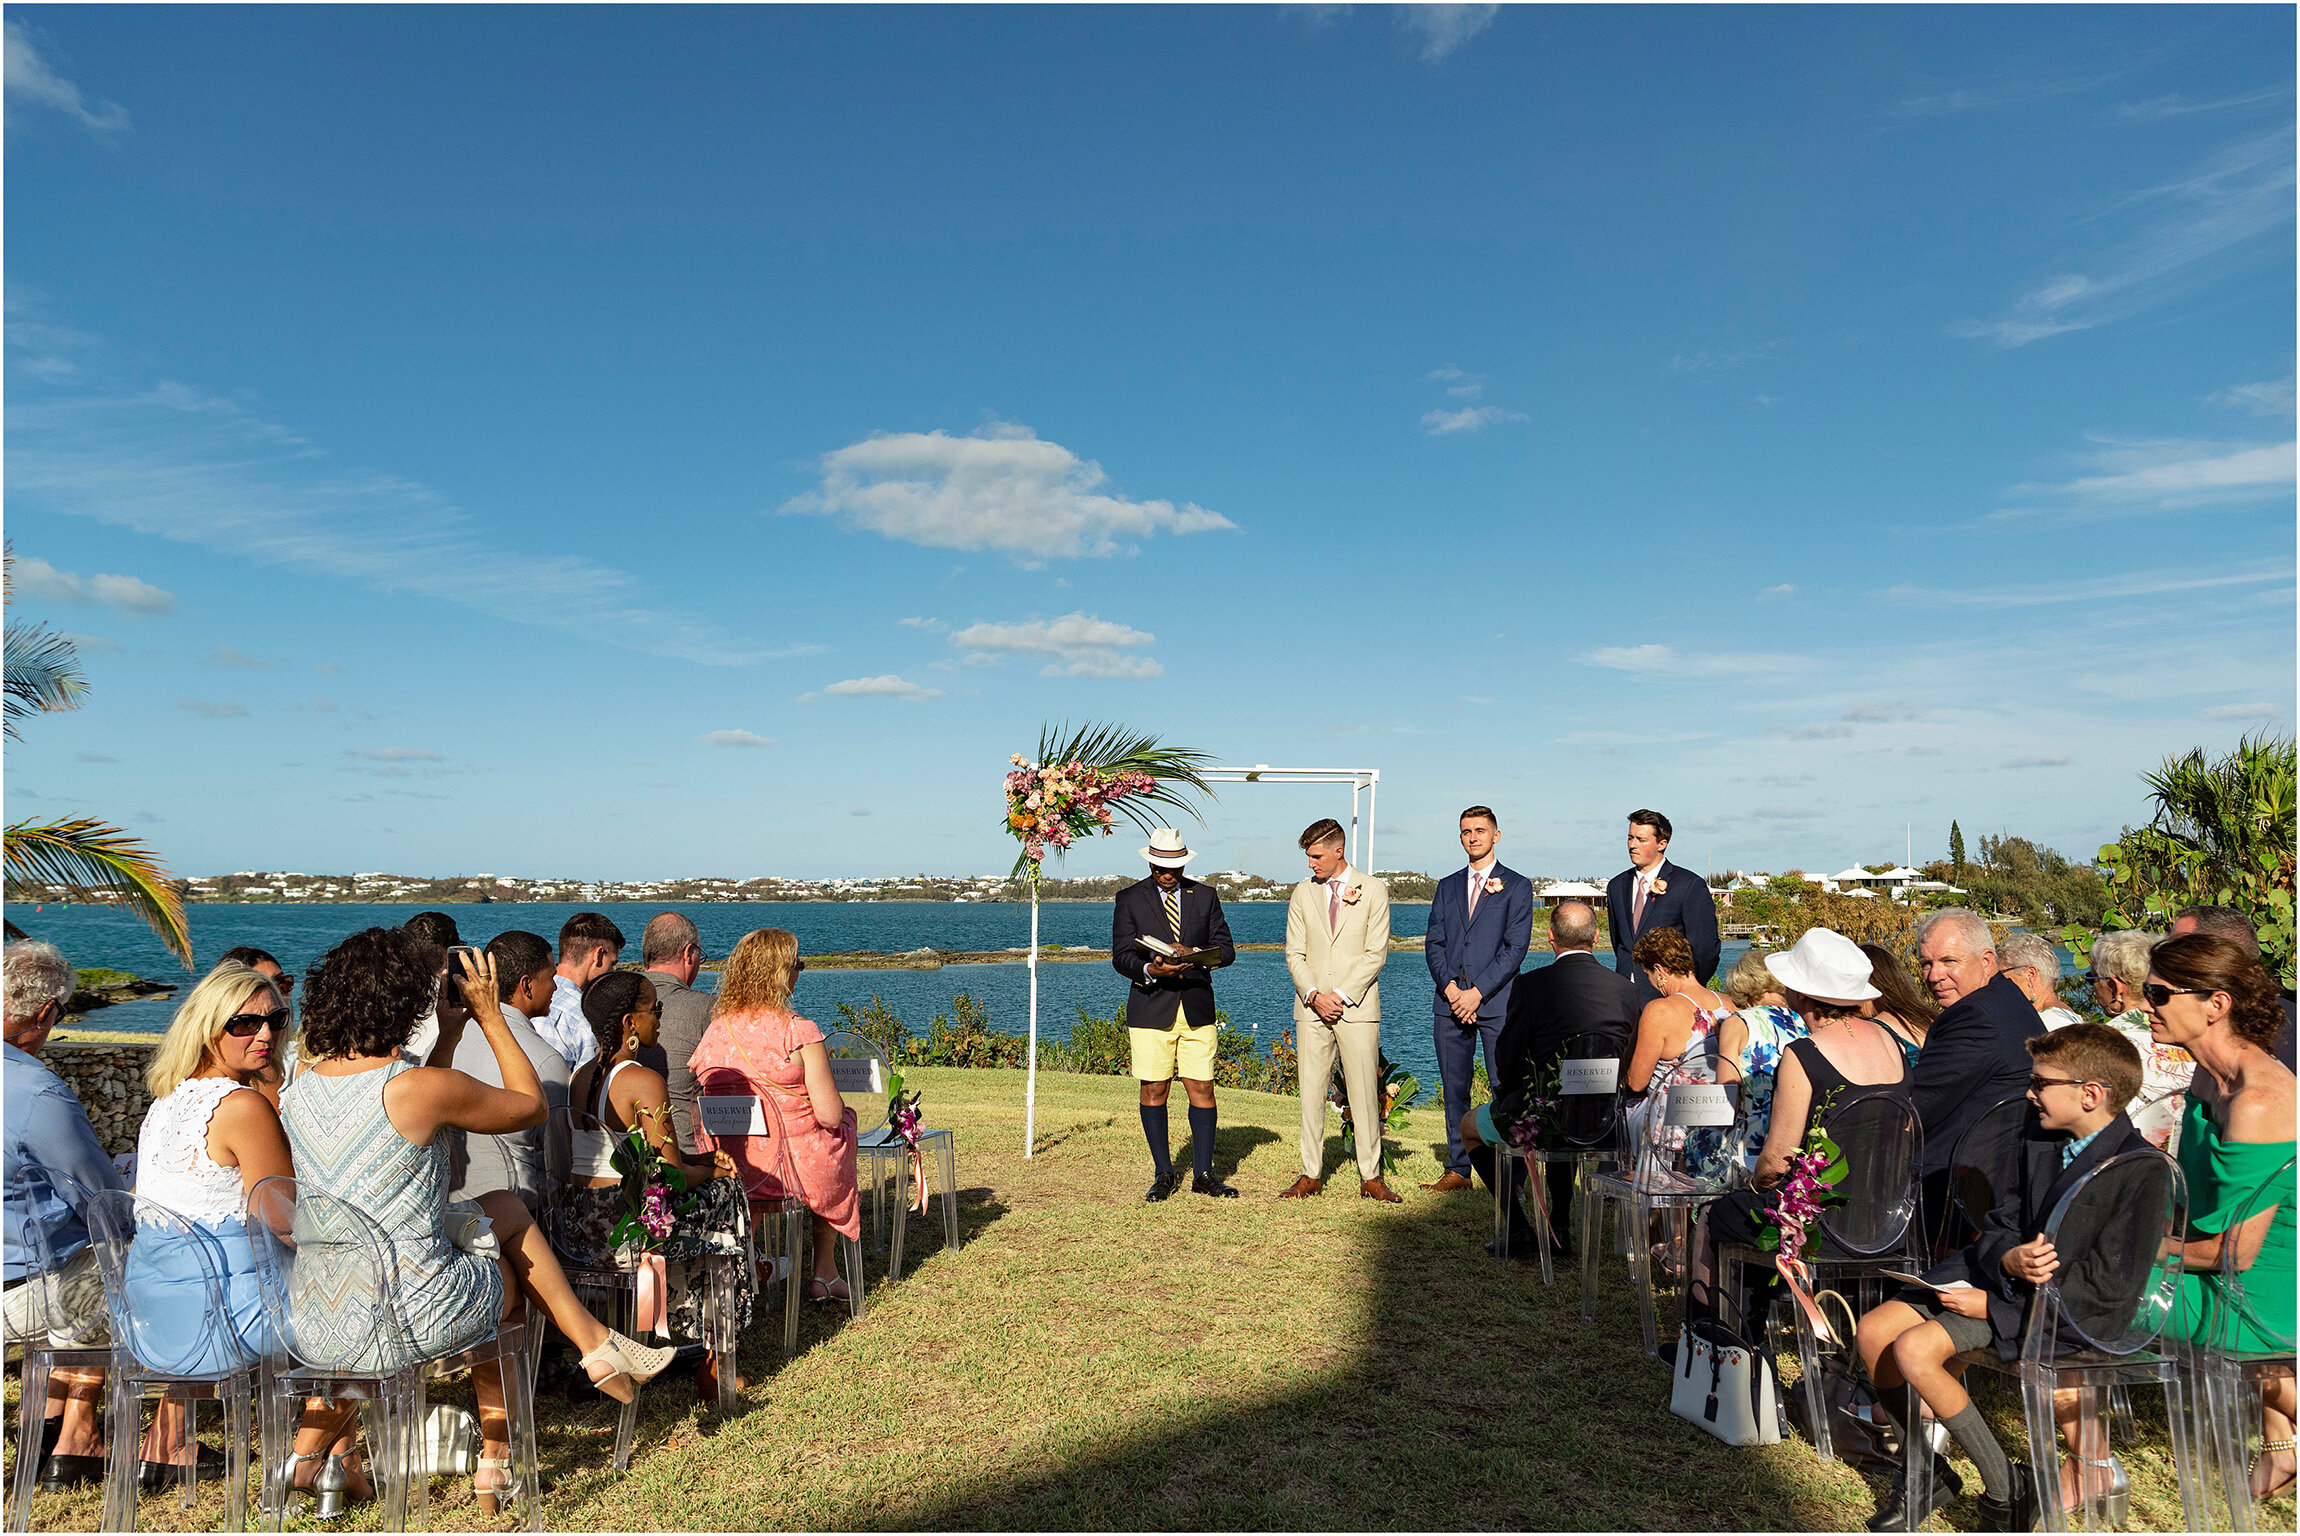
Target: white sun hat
column 1825, row 966
column 1167, row 850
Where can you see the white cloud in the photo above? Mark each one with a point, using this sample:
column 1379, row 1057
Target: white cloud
column 2175, row 105
column 931, row 626
column 226, row 656
column 2245, row 712
column 122, row 594
column 2171, row 476
column 394, row 754
column 1106, row 664
column 2052, row 760
column 2100, row 590
column 1086, row 646
column 1773, row 594
column 213, row 709
column 734, row 739
column 328, row 667
column 1665, row 661
column 1000, row 488
column 1444, row 28
column 2234, row 195
column 1460, row 385
column 2273, row 398
column 30, row 82
column 888, row 686
column 93, row 644
column 1474, row 419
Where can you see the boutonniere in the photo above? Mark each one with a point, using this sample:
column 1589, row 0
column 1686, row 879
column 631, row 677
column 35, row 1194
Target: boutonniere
column 1349, row 895
column 1493, row 885
column 1658, row 888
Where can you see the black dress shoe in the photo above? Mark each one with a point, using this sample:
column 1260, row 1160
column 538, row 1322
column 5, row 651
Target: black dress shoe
column 51, row 1430
column 1895, row 1516
column 1207, row 1184
column 2017, row 1513
column 1161, row 1185
column 58, row 1473
column 156, row 1476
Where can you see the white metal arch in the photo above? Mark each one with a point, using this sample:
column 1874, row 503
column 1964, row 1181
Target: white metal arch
column 1365, row 781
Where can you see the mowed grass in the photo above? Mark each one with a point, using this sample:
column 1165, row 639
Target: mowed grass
column 1087, row 1361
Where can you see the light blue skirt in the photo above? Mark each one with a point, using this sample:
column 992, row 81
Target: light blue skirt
column 174, row 1330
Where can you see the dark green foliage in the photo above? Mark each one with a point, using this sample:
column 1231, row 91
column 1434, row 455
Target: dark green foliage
column 1957, row 849
column 877, row 1024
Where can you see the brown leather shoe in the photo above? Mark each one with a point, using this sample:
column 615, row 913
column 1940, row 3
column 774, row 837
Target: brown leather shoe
column 1301, row 1189
column 1447, row 1185
column 1375, row 1189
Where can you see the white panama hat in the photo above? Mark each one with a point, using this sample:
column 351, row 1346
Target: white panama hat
column 1167, row 850
column 1826, row 966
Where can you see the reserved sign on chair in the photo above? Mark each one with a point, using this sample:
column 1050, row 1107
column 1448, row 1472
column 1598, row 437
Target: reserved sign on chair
column 731, row 1114
column 1700, row 1104
column 856, row 1074
column 1596, row 1074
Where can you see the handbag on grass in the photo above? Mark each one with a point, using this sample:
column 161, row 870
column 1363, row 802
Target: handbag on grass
column 1724, row 1386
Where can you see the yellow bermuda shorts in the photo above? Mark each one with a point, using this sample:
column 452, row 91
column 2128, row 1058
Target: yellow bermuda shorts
column 1181, row 1051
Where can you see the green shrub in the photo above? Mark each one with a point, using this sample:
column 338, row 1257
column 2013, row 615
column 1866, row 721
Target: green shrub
column 877, row 1024
column 1098, row 1047
column 966, row 1040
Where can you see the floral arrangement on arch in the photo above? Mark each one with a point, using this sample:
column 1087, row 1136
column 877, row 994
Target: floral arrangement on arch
column 1081, row 780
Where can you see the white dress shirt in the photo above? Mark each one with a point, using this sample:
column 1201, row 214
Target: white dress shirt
column 1340, row 881
column 565, row 1027
column 1477, row 878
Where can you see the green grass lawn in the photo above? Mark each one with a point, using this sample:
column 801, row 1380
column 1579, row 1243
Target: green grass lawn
column 1088, row 1361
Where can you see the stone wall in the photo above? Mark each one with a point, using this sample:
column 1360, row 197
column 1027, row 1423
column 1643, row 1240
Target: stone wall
column 109, row 1078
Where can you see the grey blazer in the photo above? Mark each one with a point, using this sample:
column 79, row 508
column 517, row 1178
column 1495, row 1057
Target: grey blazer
column 532, row 1164
column 686, row 1014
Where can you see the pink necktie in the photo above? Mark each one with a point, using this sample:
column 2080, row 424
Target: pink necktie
column 1475, row 886
column 1334, row 904
column 1637, row 905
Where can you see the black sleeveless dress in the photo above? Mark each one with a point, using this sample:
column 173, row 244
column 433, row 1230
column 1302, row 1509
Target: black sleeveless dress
column 1737, row 1216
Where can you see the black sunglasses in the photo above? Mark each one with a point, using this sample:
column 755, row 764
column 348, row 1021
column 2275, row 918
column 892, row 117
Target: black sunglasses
column 2038, row 1084
column 2158, row 994
column 242, row 1025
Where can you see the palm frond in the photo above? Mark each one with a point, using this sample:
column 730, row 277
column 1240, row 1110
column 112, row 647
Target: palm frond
column 97, row 862
column 1114, row 748
column 43, row 673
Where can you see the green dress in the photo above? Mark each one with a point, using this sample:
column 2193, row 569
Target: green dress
column 2222, row 1176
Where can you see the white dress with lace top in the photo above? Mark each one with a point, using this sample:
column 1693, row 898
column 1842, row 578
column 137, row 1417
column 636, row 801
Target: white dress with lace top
column 172, row 1162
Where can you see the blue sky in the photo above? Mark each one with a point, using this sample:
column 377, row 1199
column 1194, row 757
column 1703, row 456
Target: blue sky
column 636, row 442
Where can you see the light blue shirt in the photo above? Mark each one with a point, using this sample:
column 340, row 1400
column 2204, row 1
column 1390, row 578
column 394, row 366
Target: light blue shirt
column 2075, row 1149
column 46, row 1129
column 565, row 1027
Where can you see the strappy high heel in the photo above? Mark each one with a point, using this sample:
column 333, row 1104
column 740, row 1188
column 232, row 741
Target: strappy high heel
column 2269, row 1448
column 495, row 1497
column 631, row 1365
column 2113, row 1504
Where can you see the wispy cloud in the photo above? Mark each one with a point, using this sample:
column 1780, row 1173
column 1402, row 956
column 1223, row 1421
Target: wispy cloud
column 94, row 644
column 2157, row 109
column 1775, row 594
column 1000, row 488
column 2201, row 225
column 734, row 739
column 32, row 82
column 888, row 686
column 92, row 757
column 2093, row 592
column 1475, row 419
column 2247, row 712
column 395, row 754
column 1995, row 95
column 1444, row 28
column 2049, row 760
column 1701, row 359
column 1667, row 661
column 226, row 656
column 214, row 709
column 1083, row 645
column 130, row 595
column 2272, row 398
column 1460, row 385
column 2163, row 476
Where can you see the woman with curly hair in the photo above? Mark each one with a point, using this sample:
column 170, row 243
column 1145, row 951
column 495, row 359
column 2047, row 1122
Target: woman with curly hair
column 366, row 1125
column 757, row 1045
column 614, row 1093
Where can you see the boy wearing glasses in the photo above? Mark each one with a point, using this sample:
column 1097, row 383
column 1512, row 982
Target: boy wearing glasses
column 1980, row 1296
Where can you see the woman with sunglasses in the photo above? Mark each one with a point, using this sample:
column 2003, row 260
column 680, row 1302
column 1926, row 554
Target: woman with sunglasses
column 2213, row 1000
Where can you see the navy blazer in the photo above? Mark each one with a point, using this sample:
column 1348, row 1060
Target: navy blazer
column 1141, row 908
column 1485, row 952
column 1974, row 1059
column 1685, row 906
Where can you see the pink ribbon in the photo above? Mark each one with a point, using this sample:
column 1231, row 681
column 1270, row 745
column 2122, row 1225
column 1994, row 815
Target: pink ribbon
column 654, row 1295
column 1540, row 1185
column 918, row 1179
column 1800, row 1282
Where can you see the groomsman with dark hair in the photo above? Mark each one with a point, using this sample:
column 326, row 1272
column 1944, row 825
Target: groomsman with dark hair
column 1654, row 893
column 1481, row 920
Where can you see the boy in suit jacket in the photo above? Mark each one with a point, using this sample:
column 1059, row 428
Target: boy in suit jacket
column 1337, row 941
column 2085, row 1075
column 1481, row 920
column 1170, row 1008
column 1654, row 893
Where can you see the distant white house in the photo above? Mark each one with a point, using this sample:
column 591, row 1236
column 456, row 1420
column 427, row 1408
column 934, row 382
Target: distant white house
column 1570, row 890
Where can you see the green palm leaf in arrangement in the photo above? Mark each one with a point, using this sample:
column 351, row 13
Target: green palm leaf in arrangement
column 1084, row 777
column 95, row 861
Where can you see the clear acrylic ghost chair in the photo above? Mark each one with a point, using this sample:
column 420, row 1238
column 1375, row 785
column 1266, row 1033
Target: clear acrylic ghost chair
column 1673, row 1169
column 509, row 1352
column 171, row 1336
column 861, row 1073
column 48, row 1317
column 2228, row 1365
column 777, row 1198
column 325, row 1271
column 2123, row 1223
column 1589, row 1083
column 1875, row 1228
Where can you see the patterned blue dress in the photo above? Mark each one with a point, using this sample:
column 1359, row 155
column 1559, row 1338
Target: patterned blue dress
column 1771, row 1029
column 346, row 1145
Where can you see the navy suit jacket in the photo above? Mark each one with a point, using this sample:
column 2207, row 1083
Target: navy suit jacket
column 1487, row 951
column 1975, row 1058
column 1154, row 1000
column 1685, row 906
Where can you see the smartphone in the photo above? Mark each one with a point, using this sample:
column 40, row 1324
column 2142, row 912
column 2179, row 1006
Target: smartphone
column 462, row 960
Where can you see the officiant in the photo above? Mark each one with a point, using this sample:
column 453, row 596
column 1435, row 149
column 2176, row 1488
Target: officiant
column 1170, row 1009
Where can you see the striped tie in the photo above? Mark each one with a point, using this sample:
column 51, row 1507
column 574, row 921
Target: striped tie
column 1174, row 912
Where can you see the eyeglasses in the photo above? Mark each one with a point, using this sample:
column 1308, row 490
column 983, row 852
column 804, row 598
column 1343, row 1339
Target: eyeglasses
column 2094, row 977
column 284, row 981
column 2038, row 1084
column 798, row 966
column 242, row 1025
column 2158, row 994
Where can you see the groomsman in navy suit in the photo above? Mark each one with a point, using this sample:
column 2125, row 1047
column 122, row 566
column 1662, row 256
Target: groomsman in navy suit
column 1481, row 919
column 1654, row 893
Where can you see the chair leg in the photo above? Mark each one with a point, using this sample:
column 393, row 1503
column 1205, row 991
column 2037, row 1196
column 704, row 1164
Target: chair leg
column 2043, row 1445
column 1641, row 1276
column 794, row 1234
column 120, row 1434
column 1592, row 1228
column 1809, row 1369
column 1916, row 1463
column 31, row 1415
column 235, row 1405
column 1541, row 1225
column 902, row 1199
column 2185, row 1460
column 946, row 1164
column 854, row 1258
column 526, row 1469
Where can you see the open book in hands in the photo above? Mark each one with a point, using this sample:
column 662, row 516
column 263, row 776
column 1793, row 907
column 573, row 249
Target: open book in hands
column 1930, row 1285
column 1174, row 954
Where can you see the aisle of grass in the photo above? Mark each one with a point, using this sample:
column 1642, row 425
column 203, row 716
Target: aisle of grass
column 1088, row 1361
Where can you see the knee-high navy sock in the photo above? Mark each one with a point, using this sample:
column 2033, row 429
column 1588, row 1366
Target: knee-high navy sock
column 1154, row 1130
column 1202, row 1141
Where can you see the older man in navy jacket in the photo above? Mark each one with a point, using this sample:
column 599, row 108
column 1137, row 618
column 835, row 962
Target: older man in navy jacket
column 1654, row 893
column 1481, row 919
column 1976, row 1054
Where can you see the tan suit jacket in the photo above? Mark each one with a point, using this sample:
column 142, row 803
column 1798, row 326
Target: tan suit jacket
column 1347, row 960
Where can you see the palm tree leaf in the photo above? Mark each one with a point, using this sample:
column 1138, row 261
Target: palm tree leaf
column 97, row 862
column 43, row 672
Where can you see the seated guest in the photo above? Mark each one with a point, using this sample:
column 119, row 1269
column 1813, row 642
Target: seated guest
column 44, row 1130
column 2030, row 962
column 1677, row 1029
column 589, row 946
column 2232, row 925
column 2207, row 997
column 526, row 1163
column 2119, row 971
column 756, row 1038
column 2085, row 1075
column 439, row 931
column 1750, row 1045
column 616, row 1093
column 672, row 952
column 1901, row 1006
column 1975, row 1056
column 263, row 962
column 366, row 1125
column 1572, row 995
column 1825, row 977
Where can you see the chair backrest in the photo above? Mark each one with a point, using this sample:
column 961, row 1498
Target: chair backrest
column 1687, row 1126
column 1986, row 1162
column 325, row 1270
column 1882, row 1145
column 169, row 1312
column 27, row 1186
column 1589, row 1090
column 744, row 1119
column 859, row 1071
column 2230, row 1313
column 2118, row 1233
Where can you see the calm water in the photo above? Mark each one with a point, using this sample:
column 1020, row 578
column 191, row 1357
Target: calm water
column 1256, row 991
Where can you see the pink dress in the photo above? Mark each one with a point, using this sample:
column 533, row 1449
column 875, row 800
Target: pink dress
column 761, row 1048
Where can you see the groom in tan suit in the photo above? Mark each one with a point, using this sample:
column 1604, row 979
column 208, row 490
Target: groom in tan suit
column 1337, row 940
